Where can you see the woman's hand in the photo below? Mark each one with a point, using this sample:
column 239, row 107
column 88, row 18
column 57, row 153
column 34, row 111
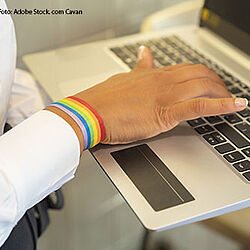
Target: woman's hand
column 146, row 101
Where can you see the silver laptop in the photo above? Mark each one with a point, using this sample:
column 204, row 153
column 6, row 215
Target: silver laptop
column 201, row 168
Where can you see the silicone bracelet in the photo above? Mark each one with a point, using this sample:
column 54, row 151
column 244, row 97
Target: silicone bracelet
column 88, row 120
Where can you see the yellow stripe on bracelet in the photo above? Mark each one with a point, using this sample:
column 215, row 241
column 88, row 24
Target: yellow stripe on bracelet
column 91, row 114
column 86, row 117
column 92, row 117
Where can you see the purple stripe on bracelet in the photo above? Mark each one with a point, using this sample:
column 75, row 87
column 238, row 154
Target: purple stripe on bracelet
column 77, row 120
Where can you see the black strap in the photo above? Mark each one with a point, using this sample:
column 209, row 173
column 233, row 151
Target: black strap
column 56, row 200
column 53, row 201
column 7, row 127
column 22, row 237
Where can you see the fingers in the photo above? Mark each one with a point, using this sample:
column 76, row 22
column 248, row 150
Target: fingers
column 145, row 59
column 217, row 78
column 180, row 72
column 192, row 72
column 176, row 66
column 184, row 73
column 203, row 87
column 198, row 107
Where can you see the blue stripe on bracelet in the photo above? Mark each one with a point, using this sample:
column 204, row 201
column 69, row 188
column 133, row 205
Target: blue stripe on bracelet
column 82, row 120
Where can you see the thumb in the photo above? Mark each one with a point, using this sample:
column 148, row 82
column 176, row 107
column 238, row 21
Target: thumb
column 145, row 59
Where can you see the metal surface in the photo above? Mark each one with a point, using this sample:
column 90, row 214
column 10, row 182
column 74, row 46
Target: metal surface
column 209, row 179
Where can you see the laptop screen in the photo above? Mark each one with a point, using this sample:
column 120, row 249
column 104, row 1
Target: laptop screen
column 230, row 19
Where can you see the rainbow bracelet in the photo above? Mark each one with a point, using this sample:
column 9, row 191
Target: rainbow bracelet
column 86, row 118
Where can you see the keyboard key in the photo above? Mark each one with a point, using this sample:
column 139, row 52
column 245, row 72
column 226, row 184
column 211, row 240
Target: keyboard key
column 231, row 134
column 164, row 61
column 210, row 139
column 128, row 60
column 196, row 122
column 218, row 137
column 233, row 157
column 244, row 113
column 247, row 175
column 244, row 128
column 241, row 84
column 233, row 118
column 245, row 96
column 117, row 50
column 222, row 76
column 242, row 166
column 195, row 61
column 204, row 129
column 226, row 73
column 235, row 90
column 213, row 119
column 228, row 83
column 224, row 148
column 132, row 48
column 157, row 64
column 246, row 151
column 132, row 65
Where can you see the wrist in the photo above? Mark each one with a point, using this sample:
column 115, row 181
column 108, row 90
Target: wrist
column 84, row 120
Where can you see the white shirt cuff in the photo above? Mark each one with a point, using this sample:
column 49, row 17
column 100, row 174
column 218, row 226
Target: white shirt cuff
column 37, row 157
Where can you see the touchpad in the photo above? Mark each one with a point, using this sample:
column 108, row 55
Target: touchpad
column 151, row 176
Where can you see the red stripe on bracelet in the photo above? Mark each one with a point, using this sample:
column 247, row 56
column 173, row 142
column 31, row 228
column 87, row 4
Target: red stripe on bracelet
column 94, row 112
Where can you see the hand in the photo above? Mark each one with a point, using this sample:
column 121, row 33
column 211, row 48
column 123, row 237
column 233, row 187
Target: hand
column 146, row 101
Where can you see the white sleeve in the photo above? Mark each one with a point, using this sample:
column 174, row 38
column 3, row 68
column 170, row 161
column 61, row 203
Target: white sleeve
column 36, row 157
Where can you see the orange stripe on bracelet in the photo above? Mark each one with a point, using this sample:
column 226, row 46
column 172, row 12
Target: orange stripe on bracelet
column 95, row 113
column 88, row 120
column 91, row 116
column 86, row 115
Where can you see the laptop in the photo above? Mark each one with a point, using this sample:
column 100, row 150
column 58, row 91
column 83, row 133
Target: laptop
column 201, row 168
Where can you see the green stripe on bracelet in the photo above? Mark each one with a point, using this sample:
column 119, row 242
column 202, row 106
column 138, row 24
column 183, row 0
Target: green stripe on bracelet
column 86, row 118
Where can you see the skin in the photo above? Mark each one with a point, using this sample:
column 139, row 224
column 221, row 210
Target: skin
column 146, row 101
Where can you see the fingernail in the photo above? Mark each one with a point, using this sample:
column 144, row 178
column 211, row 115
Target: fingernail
column 141, row 52
column 241, row 102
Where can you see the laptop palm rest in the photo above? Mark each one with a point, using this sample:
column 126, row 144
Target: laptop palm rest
column 151, row 176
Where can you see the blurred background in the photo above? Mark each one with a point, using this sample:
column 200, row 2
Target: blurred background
column 102, row 19
column 95, row 215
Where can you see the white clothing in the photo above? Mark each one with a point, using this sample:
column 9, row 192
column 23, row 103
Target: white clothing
column 37, row 156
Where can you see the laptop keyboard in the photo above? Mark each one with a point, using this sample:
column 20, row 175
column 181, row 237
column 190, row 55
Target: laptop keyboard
column 228, row 134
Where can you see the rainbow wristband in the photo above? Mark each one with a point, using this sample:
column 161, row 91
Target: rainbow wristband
column 86, row 118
